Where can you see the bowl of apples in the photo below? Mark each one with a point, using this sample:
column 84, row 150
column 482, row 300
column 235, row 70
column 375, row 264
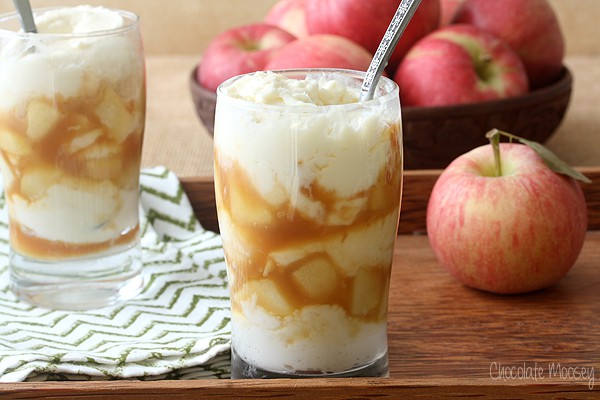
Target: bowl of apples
column 434, row 136
column 458, row 79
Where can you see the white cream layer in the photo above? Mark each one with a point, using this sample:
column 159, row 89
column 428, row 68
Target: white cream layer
column 35, row 65
column 318, row 338
column 78, row 212
column 340, row 148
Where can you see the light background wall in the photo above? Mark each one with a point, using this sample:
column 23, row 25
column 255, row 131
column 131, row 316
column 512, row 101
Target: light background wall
column 186, row 26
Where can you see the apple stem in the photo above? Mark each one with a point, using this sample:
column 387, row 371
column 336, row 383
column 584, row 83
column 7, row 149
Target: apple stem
column 494, row 138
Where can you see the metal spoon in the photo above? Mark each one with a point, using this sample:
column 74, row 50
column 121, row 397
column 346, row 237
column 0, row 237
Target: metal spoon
column 24, row 9
column 404, row 13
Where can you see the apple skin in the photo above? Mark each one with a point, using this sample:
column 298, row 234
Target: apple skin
column 447, row 10
column 240, row 50
column 459, row 64
column 289, row 15
column 530, row 27
column 365, row 22
column 516, row 233
column 321, row 51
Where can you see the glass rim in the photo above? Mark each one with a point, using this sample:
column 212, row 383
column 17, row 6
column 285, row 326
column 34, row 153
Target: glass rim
column 385, row 82
column 131, row 18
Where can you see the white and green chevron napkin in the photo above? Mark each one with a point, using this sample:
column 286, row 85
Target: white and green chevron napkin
column 177, row 328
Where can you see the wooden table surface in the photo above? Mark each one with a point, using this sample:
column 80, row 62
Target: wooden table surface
column 445, row 340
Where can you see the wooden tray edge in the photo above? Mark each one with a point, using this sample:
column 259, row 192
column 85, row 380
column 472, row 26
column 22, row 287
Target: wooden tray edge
column 306, row 389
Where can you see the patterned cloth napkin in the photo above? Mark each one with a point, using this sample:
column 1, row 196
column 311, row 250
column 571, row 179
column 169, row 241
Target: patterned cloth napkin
column 177, row 328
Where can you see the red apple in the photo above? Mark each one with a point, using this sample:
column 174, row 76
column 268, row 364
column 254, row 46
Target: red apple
column 365, row 22
column 447, row 10
column 459, row 64
column 321, row 51
column 530, row 27
column 515, row 233
column 289, row 15
column 240, row 50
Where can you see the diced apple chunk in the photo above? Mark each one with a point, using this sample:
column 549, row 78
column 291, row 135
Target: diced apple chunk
column 78, row 122
column 373, row 245
column 316, row 278
column 102, row 161
column 13, row 143
column 309, row 208
column 289, row 256
column 345, row 211
column 102, row 151
column 8, row 174
column 41, row 119
column 35, row 181
column 367, row 291
column 268, row 296
column 248, row 211
column 84, row 140
column 270, row 266
column 238, row 252
column 113, row 114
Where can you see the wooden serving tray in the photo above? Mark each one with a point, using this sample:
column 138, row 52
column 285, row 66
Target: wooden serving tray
column 445, row 340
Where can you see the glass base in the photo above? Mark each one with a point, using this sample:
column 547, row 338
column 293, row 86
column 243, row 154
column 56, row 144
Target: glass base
column 81, row 284
column 240, row 369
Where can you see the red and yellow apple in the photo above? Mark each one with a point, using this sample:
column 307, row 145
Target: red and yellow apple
column 240, row 50
column 514, row 233
column 289, row 15
column 459, row 64
column 530, row 27
column 365, row 22
column 321, row 51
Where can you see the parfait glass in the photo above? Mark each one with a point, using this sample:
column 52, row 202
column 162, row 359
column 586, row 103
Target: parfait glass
column 72, row 114
column 308, row 199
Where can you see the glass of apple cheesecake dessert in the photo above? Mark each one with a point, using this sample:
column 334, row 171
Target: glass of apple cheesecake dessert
column 72, row 112
column 308, row 183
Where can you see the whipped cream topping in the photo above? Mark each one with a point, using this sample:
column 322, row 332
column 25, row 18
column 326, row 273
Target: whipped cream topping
column 267, row 87
column 79, row 19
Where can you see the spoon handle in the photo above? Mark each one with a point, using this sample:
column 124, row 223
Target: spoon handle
column 24, row 9
column 404, row 13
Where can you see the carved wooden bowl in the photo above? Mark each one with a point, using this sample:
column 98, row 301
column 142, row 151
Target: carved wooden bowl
column 434, row 136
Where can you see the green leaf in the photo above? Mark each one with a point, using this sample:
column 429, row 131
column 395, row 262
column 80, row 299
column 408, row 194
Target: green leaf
column 550, row 159
column 553, row 162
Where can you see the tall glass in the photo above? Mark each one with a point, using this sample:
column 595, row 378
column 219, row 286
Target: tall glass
column 72, row 112
column 308, row 200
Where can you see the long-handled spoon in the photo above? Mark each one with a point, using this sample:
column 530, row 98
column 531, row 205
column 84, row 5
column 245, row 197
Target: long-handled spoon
column 404, row 13
column 24, row 9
